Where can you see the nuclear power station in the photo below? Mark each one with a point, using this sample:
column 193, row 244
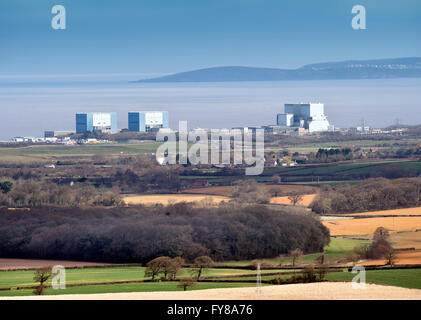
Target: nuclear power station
column 308, row 116
column 147, row 121
column 96, row 122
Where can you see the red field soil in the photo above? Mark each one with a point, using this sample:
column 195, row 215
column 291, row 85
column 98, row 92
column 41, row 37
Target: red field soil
column 23, row 264
column 403, row 257
column 280, row 189
column 306, row 201
column 393, row 212
column 369, row 225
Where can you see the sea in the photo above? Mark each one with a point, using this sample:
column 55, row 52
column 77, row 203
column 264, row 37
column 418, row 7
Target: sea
column 32, row 104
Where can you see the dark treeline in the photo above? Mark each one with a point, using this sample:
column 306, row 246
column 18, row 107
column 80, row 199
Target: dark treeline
column 140, row 234
column 46, row 186
column 331, row 155
column 369, row 195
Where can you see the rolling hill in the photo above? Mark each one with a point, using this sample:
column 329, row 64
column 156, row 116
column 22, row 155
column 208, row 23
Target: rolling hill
column 352, row 69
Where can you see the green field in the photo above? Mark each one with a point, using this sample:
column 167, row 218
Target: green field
column 130, row 287
column 363, row 144
column 332, row 173
column 408, row 278
column 42, row 153
column 336, row 250
column 342, row 168
column 22, row 278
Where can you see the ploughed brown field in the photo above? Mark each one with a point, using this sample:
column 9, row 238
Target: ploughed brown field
column 166, row 199
column 406, row 240
column 281, row 189
column 404, row 257
column 22, row 264
column 404, row 226
column 366, row 226
column 306, row 201
column 394, row 212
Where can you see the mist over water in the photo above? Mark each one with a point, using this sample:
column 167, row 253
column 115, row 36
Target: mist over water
column 30, row 105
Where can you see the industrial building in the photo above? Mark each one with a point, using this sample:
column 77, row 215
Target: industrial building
column 147, row 121
column 57, row 133
column 96, row 122
column 308, row 116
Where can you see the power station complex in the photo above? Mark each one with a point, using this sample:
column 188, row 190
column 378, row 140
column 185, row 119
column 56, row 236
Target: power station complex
column 145, row 121
column 96, row 122
column 308, row 116
column 298, row 118
column 106, row 122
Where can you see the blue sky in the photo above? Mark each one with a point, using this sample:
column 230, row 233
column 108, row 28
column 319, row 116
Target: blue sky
column 165, row 36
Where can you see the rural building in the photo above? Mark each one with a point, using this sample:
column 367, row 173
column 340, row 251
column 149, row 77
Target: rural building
column 57, row 133
column 271, row 163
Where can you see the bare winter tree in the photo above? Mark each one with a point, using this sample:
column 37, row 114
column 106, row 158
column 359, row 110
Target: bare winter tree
column 381, row 233
column 154, row 267
column 295, row 198
column 186, row 283
column 295, row 255
column 200, row 265
column 391, row 257
column 42, row 275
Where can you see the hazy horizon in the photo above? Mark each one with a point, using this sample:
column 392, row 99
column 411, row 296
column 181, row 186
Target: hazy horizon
column 29, row 109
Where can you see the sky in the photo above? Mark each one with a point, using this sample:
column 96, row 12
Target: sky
column 154, row 37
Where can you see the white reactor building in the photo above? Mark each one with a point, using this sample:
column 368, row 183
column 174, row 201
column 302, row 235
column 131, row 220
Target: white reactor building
column 309, row 116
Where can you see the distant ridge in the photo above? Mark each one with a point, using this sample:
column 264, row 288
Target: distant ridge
column 352, row 69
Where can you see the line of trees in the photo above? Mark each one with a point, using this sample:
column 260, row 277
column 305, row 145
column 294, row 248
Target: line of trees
column 30, row 193
column 369, row 195
column 168, row 268
column 331, row 155
column 140, row 234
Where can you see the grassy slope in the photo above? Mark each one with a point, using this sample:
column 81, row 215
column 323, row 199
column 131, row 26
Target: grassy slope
column 408, row 278
column 89, row 275
column 46, row 152
column 364, row 144
column 334, row 251
column 131, row 287
column 332, row 173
